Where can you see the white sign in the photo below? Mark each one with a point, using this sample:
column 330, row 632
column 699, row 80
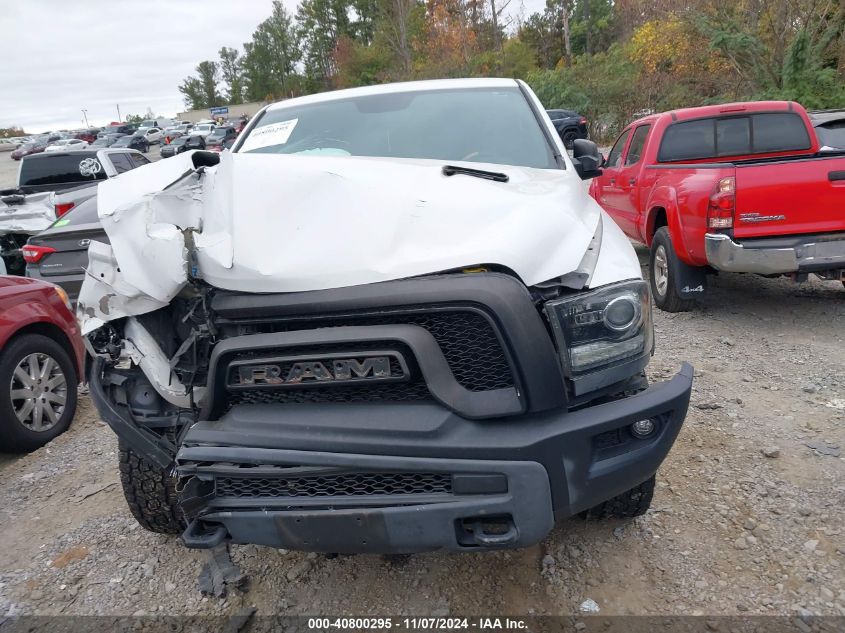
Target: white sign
column 273, row 134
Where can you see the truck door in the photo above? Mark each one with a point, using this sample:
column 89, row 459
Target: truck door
column 606, row 190
column 626, row 201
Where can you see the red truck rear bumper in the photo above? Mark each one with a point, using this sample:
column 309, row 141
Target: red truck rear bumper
column 810, row 253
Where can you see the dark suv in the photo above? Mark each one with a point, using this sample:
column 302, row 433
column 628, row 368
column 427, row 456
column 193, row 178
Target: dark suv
column 569, row 125
column 219, row 138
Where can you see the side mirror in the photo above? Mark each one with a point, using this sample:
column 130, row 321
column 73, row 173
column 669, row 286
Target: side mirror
column 587, row 159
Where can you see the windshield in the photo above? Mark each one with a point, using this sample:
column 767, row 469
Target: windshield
column 123, row 141
column 179, row 141
column 218, row 133
column 483, row 125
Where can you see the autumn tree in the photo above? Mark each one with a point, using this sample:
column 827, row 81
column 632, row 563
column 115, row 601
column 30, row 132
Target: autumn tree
column 399, row 22
column 321, row 24
column 608, row 59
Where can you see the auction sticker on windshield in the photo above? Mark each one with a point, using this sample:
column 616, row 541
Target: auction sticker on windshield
column 273, row 134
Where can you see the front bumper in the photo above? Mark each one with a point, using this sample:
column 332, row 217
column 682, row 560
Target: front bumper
column 313, row 477
column 774, row 256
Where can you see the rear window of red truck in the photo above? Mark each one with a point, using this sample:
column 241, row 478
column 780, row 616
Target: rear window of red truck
column 717, row 137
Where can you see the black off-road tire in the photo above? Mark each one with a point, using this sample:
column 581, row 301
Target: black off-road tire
column 150, row 492
column 663, row 275
column 14, row 436
column 631, row 503
column 568, row 137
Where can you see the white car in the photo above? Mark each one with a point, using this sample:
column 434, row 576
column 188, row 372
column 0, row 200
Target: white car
column 203, row 129
column 151, row 134
column 65, row 144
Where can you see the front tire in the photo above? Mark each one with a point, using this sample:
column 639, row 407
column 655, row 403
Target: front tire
column 663, row 274
column 150, row 493
column 631, row 503
column 38, row 384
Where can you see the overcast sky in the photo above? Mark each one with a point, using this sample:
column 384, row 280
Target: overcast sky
column 60, row 56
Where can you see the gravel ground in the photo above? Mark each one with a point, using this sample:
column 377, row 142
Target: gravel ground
column 748, row 518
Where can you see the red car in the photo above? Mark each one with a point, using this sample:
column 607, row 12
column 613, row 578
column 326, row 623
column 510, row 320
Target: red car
column 741, row 187
column 29, row 148
column 89, row 135
column 41, row 362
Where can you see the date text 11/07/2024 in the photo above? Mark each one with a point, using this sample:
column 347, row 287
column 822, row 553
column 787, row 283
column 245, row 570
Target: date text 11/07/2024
column 418, row 624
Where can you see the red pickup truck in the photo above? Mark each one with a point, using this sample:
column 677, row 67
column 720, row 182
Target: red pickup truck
column 740, row 187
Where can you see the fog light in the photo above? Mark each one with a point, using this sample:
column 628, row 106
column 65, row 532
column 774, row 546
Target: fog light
column 642, row 428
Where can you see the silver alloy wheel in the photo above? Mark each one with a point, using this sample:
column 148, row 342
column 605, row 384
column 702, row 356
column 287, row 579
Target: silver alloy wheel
column 661, row 270
column 38, row 392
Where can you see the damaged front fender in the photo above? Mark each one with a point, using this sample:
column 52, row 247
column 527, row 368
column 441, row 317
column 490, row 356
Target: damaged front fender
column 150, row 215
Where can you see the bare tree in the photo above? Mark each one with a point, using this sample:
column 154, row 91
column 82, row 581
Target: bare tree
column 398, row 14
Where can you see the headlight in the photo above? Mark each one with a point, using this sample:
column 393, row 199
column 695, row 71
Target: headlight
column 604, row 335
column 63, row 296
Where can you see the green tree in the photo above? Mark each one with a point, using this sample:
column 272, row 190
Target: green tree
column 321, row 24
column 201, row 92
column 270, row 59
column 192, row 94
column 209, row 76
column 781, row 50
column 230, row 70
column 399, row 24
column 518, row 59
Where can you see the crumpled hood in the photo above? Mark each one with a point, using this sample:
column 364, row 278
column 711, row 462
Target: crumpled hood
column 277, row 223
column 311, row 223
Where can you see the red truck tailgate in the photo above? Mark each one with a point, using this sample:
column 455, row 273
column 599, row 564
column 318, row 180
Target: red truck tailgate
column 790, row 197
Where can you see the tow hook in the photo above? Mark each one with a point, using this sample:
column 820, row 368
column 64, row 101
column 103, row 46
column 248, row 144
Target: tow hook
column 489, row 531
column 196, row 536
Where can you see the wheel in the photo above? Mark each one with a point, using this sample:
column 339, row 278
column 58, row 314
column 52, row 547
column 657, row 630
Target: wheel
column 663, row 274
column 150, row 492
column 37, row 392
column 568, row 138
column 631, row 503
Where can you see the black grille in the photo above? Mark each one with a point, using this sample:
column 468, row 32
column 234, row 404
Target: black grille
column 345, row 485
column 388, row 391
column 466, row 338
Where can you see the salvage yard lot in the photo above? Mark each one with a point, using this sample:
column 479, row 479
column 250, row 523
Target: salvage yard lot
column 747, row 517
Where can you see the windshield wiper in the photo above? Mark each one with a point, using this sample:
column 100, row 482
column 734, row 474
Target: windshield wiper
column 451, row 170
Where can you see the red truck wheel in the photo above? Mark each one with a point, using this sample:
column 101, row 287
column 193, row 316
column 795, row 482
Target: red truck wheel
column 663, row 274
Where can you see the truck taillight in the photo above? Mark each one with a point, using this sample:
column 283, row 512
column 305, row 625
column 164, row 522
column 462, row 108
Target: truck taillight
column 583, row 120
column 63, row 208
column 34, row 254
column 720, row 211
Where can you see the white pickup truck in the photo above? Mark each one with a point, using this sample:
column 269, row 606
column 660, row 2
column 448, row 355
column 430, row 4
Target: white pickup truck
column 389, row 320
column 49, row 185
